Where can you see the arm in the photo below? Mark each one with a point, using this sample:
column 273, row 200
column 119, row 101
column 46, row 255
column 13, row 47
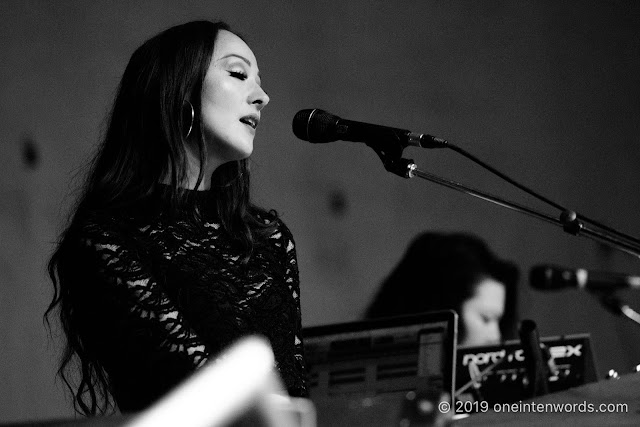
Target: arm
column 122, row 265
column 293, row 282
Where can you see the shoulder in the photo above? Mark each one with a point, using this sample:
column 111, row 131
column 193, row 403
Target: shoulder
column 283, row 233
column 263, row 216
column 279, row 227
column 286, row 232
column 276, row 227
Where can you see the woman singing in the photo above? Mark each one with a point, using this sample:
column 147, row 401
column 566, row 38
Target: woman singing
column 165, row 261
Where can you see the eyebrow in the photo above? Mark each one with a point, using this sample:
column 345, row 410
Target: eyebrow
column 237, row 56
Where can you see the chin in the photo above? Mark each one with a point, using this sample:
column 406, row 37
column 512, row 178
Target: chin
column 235, row 151
column 244, row 154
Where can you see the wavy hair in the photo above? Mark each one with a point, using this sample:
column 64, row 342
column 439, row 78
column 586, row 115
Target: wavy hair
column 144, row 143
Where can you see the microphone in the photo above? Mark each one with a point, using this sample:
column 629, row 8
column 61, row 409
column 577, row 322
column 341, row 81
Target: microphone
column 548, row 277
column 318, row 126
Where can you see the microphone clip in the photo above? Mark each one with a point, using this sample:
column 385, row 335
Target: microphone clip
column 393, row 161
column 570, row 222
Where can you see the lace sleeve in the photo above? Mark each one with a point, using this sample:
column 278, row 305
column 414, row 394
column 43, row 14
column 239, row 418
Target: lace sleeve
column 124, row 269
column 293, row 282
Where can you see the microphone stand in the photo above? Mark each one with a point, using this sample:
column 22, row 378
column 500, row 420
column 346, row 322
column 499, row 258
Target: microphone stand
column 568, row 220
column 391, row 156
column 616, row 306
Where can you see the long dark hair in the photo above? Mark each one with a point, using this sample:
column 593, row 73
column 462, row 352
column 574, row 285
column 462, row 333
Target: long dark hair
column 439, row 271
column 144, row 143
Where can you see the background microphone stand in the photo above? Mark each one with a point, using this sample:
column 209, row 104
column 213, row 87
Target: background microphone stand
column 570, row 221
column 615, row 305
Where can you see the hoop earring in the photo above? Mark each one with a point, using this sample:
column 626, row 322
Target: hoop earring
column 193, row 114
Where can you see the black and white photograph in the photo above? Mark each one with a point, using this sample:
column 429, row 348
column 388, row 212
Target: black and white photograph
column 319, row 213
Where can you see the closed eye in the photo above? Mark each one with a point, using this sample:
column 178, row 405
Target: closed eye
column 238, row 75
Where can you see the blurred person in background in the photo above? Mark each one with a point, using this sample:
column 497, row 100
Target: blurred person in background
column 456, row 271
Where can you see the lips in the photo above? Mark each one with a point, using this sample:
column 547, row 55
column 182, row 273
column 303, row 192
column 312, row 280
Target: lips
column 251, row 121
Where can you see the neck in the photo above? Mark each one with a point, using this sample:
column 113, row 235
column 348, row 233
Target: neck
column 193, row 169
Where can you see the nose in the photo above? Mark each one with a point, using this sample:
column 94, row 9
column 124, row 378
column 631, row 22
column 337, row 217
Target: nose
column 259, row 97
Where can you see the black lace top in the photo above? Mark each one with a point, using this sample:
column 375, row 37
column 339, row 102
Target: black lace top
column 160, row 296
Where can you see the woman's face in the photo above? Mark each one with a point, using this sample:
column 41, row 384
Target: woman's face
column 231, row 100
column 482, row 312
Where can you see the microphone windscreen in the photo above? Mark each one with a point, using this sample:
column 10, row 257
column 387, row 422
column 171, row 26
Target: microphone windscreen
column 315, row 125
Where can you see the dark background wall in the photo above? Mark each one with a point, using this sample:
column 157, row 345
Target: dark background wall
column 548, row 92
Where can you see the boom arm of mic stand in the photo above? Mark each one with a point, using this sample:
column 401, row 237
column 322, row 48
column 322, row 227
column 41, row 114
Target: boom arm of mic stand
column 617, row 306
column 571, row 223
column 568, row 220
